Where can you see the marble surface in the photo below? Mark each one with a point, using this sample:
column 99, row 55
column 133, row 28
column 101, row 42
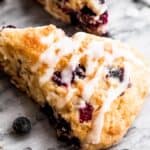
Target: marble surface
column 129, row 22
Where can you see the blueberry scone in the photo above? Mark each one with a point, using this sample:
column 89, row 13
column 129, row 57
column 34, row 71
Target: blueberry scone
column 91, row 15
column 90, row 87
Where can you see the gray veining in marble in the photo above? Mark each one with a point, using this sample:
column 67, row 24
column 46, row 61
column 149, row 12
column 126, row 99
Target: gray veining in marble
column 129, row 22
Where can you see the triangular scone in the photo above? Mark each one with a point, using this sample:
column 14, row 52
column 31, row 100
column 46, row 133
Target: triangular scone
column 92, row 87
column 91, row 15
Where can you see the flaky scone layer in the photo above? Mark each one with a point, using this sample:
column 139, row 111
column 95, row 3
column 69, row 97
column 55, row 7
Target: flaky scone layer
column 96, row 84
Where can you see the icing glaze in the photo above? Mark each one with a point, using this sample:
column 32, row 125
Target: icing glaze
column 94, row 51
column 50, row 57
column 113, row 93
column 89, row 86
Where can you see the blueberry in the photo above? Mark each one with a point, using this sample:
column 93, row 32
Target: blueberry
column 63, row 127
column 79, row 71
column 57, row 78
column 116, row 73
column 74, row 144
column 48, row 111
column 22, row 125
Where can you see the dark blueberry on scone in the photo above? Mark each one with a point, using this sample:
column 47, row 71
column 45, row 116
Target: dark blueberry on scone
column 116, row 73
column 57, row 78
column 22, row 125
column 79, row 72
column 74, row 144
column 63, row 128
column 49, row 112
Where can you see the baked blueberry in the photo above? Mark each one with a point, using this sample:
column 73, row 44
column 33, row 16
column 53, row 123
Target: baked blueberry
column 86, row 113
column 116, row 73
column 63, row 127
column 48, row 111
column 22, row 125
column 74, row 143
column 57, row 78
column 79, row 72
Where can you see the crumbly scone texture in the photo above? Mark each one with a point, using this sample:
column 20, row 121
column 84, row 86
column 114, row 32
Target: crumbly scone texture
column 91, row 15
column 40, row 63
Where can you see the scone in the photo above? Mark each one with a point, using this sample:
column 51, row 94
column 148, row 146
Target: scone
column 91, row 88
column 90, row 15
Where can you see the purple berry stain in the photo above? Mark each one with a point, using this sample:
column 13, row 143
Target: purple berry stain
column 87, row 11
column 104, row 17
column 86, row 113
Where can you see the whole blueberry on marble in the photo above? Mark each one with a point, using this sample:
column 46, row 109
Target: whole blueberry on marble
column 22, row 125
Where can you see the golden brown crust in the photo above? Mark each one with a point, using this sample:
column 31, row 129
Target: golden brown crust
column 20, row 50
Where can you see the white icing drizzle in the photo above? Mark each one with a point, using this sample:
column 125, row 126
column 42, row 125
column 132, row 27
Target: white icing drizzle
column 94, row 51
column 67, row 72
column 89, row 86
column 48, row 40
column 65, row 46
column 94, row 135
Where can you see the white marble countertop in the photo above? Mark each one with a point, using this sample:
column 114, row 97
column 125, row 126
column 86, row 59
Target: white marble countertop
column 129, row 22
